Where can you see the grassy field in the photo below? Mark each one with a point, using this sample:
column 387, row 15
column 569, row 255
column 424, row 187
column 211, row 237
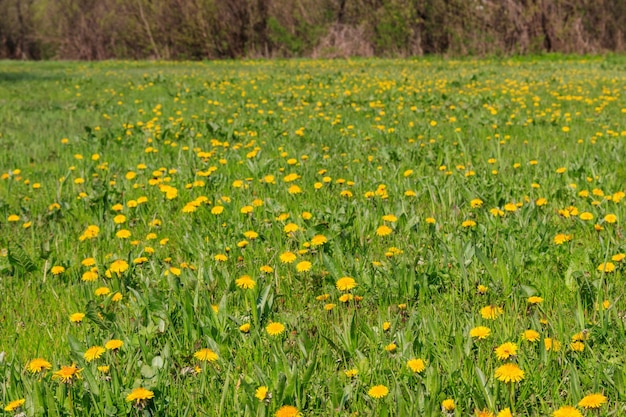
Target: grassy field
column 314, row 238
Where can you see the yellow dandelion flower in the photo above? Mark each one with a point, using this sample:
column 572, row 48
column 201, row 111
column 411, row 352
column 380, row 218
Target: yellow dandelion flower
column 57, row 270
column 480, row 332
column 67, row 373
column 139, row 394
column 378, row 391
column 567, row 411
column 351, row 373
column 245, row 282
column 509, row 372
column 93, row 353
column 535, row 300
column 562, row 238
column 606, row 267
column 38, row 365
column 119, row 266
column 505, row 413
column 468, row 223
column 287, row 411
column 89, row 276
column 275, row 329
column 506, row 350
column 531, row 336
column 491, row 312
column 416, row 365
column 318, row 240
column 102, row 291
column 610, row 218
column 303, row 266
column 384, row 230
column 346, row 284
column 261, row 393
column 287, row 257
column 14, row 405
column 448, row 405
column 245, row 328
column 551, row 344
column 206, row 355
column 114, row 344
column 77, row 317
column 592, row 401
column 123, row 234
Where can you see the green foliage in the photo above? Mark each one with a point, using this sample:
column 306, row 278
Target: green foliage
column 479, row 170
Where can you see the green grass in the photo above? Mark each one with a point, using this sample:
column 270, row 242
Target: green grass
column 418, row 139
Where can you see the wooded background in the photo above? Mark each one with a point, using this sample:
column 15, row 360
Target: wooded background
column 208, row 29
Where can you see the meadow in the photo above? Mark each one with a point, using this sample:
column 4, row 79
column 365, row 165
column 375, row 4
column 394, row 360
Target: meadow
column 313, row 238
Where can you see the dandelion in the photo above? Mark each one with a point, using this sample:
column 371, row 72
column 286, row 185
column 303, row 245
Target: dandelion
column 346, row 284
column 13, row 218
column 416, row 365
column 303, row 266
column 57, row 270
column 480, row 332
column 67, row 374
column 287, row 411
column 567, row 411
column 468, row 223
column 38, row 365
column 206, row 355
column 383, row 230
column 491, row 312
column 378, row 391
column 585, row 216
column 391, row 347
column 245, row 282
column 261, row 393
column 509, row 372
column 534, row 300
column 113, row 344
column 266, row 269
column 77, row 317
column 245, row 328
column 287, row 257
column 275, row 329
column 531, row 336
column 448, row 405
column 139, row 395
column 93, row 353
column 14, row 405
column 506, row 350
column 562, row 238
column 102, row 291
column 619, row 257
column 551, row 344
column 89, row 276
column 592, row 401
column 123, row 234
column 483, row 413
column 318, row 240
column 606, row 267
column 119, row 266
column 505, row 413
column 610, row 218
column 351, row 373
column 577, row 346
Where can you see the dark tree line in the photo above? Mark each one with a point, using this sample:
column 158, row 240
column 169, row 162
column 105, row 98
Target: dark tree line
column 201, row 29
